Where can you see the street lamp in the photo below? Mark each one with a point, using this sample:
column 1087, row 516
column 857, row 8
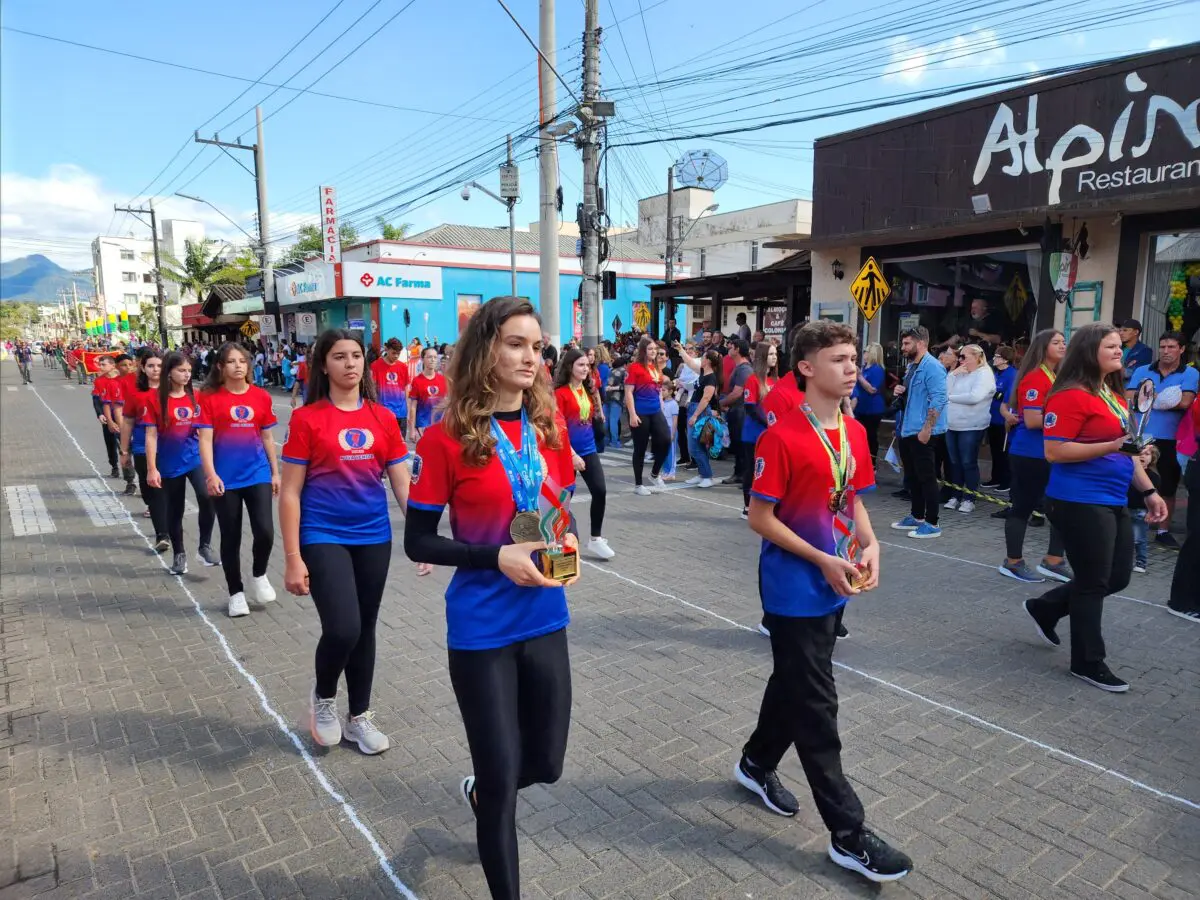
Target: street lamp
column 253, row 239
column 695, row 222
column 512, row 231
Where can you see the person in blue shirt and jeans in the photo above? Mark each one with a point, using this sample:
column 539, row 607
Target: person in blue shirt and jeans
column 1002, row 419
column 921, row 424
column 868, row 396
column 1177, row 385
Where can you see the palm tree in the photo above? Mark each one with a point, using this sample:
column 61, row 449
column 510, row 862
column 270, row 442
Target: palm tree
column 202, row 268
column 390, row 232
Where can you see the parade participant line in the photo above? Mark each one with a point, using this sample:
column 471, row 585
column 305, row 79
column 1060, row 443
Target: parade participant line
column 264, row 701
column 945, row 707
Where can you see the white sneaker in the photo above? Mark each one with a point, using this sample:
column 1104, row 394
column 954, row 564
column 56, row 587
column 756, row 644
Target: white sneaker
column 237, row 605
column 694, row 480
column 952, row 503
column 323, row 724
column 362, row 730
column 598, row 547
column 263, row 592
column 642, row 491
column 967, row 506
column 657, row 484
column 705, row 483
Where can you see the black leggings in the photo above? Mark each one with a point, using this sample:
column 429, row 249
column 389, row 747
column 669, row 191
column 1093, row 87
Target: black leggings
column 870, row 422
column 154, row 498
column 346, row 583
column 593, row 477
column 110, row 445
column 997, row 435
column 257, row 498
column 653, row 431
column 1030, row 476
column 175, row 491
column 516, row 708
column 746, row 460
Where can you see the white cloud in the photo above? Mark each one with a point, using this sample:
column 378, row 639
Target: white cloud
column 910, row 63
column 1160, row 43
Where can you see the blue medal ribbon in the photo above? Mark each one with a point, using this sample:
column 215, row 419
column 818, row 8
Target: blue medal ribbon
column 524, row 470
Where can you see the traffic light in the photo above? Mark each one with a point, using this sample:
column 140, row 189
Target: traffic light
column 608, row 285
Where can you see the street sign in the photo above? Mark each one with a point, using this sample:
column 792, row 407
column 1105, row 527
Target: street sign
column 510, row 181
column 909, row 321
column 249, row 328
column 870, row 289
column 306, row 325
column 774, row 322
column 267, row 325
column 616, row 324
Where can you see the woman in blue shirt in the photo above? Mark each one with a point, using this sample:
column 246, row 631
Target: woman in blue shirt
column 1002, row 419
column 868, row 396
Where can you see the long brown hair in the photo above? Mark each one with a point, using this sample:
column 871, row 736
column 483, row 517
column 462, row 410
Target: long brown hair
column 215, row 380
column 317, row 387
column 715, row 362
column 1034, row 357
column 472, row 384
column 642, row 353
column 1080, row 368
column 761, row 370
column 173, row 360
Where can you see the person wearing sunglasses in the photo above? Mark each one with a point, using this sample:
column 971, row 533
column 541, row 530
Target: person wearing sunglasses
column 969, row 387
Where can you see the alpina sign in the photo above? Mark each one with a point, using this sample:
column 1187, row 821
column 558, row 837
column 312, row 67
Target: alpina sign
column 1097, row 156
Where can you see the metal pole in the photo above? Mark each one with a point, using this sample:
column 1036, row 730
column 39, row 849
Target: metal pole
column 270, row 306
column 590, row 145
column 512, row 228
column 670, row 223
column 158, row 281
column 548, row 287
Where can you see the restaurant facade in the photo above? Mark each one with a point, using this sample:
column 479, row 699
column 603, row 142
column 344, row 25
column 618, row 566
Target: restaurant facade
column 1067, row 200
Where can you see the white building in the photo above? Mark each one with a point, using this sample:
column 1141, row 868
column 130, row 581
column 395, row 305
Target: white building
column 123, row 269
column 717, row 243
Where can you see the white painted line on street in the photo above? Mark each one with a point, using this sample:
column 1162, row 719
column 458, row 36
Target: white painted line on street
column 10, row 387
column 27, row 510
column 100, row 503
column 264, row 701
column 945, row 707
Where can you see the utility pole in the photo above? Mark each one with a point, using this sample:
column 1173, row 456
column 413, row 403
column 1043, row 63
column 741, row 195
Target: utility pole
column 512, row 226
column 548, row 286
column 589, row 144
column 270, row 306
column 162, row 315
column 670, row 224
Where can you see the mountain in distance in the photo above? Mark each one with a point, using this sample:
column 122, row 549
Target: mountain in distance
column 38, row 279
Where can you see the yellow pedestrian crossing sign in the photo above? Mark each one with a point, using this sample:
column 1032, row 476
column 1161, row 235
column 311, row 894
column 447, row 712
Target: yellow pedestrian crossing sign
column 870, row 289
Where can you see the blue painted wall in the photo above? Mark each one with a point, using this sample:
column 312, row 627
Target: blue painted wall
column 487, row 283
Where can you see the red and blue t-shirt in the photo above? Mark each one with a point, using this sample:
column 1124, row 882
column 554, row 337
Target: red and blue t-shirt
column 346, row 452
column 391, row 381
column 576, row 409
column 134, row 408
column 647, row 388
column 1082, row 417
column 237, row 422
column 755, row 394
column 784, row 398
column 429, row 394
column 178, row 444
column 793, row 471
column 484, row 608
column 108, row 389
column 1031, row 395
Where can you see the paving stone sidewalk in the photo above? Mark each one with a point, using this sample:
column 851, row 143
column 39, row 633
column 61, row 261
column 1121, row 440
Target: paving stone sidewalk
column 137, row 761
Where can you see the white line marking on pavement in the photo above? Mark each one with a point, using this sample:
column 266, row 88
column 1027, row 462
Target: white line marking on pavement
column 27, row 510
column 101, row 504
column 11, row 387
column 264, row 701
column 945, row 707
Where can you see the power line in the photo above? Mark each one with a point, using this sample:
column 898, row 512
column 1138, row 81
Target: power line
column 537, row 49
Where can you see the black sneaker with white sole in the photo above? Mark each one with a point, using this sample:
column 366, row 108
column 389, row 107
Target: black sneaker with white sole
column 869, row 855
column 208, row 556
column 766, row 784
column 1045, row 632
column 842, row 631
column 1099, row 675
column 1192, row 615
column 467, row 789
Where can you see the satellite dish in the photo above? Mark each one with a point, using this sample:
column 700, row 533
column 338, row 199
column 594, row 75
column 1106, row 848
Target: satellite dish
column 701, row 169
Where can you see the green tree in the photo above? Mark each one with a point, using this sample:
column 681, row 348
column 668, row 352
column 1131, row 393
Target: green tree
column 390, row 232
column 15, row 319
column 201, row 268
column 310, row 241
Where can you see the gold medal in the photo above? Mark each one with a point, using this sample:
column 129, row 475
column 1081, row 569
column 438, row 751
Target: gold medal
column 837, row 501
column 525, row 527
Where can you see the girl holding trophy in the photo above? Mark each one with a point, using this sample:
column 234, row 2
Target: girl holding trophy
column 501, row 461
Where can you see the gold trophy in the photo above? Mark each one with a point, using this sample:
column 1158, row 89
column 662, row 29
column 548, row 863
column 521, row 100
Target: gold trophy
column 558, row 562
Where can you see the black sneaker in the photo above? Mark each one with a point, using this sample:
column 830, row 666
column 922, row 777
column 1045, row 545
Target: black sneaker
column 467, row 789
column 767, row 785
column 842, row 632
column 732, row 479
column 1037, row 520
column 115, row 473
column 180, row 565
column 161, row 545
column 207, row 556
column 1099, row 675
column 130, row 490
column 869, row 855
column 1166, row 539
column 1002, row 489
column 1045, row 632
column 902, row 494
column 1000, row 514
column 989, row 484
column 1192, row 615
column 745, row 512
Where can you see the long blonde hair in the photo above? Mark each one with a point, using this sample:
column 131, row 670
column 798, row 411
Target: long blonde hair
column 873, row 356
column 472, row 384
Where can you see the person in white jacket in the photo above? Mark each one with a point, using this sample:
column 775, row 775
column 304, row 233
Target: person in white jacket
column 970, row 387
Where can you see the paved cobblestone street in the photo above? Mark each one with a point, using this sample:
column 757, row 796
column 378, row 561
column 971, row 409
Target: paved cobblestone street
column 154, row 748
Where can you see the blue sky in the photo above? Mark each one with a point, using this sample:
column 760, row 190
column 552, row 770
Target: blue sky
column 81, row 129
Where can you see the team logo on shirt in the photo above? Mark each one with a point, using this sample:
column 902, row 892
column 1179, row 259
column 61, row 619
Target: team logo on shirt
column 417, row 466
column 392, row 377
column 183, row 413
column 433, row 390
column 746, row 395
column 241, row 414
column 759, row 465
column 356, row 440
column 770, row 419
column 1031, row 394
column 1050, row 420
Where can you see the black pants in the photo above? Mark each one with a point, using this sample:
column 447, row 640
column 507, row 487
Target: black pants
column 920, row 476
column 1185, row 585
column 800, row 709
column 110, row 445
column 1030, row 475
column 257, row 500
column 746, row 464
column 593, row 477
column 871, row 424
column 154, row 498
column 996, row 435
column 175, row 491
column 516, row 709
column 346, row 583
column 1099, row 543
column 735, row 418
column 652, row 430
column 683, row 455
